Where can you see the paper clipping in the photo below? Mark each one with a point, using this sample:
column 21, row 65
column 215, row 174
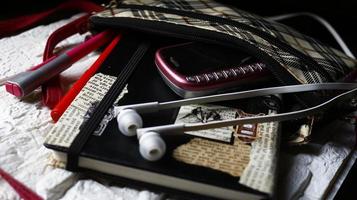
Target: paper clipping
column 252, row 156
column 68, row 126
column 207, row 113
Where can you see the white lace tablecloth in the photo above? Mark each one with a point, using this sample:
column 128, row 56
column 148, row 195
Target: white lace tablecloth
column 24, row 124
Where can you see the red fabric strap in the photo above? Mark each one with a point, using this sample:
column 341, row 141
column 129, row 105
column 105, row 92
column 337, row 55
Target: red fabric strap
column 51, row 90
column 8, row 27
column 77, row 26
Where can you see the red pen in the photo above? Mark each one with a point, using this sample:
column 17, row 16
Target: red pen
column 59, row 109
column 24, row 83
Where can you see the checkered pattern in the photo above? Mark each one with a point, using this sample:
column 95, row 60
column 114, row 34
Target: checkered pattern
column 330, row 61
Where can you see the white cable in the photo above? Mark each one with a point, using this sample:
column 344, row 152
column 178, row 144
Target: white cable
column 179, row 128
column 325, row 23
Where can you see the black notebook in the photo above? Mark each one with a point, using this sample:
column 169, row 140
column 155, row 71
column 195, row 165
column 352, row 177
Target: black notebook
column 230, row 163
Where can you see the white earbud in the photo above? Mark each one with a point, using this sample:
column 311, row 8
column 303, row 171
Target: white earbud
column 152, row 147
column 128, row 121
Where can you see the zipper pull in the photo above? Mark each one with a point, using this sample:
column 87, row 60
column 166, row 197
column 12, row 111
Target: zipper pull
column 112, row 4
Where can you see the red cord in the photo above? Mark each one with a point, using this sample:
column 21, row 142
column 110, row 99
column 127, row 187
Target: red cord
column 23, row 191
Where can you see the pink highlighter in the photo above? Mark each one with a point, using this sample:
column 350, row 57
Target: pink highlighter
column 26, row 82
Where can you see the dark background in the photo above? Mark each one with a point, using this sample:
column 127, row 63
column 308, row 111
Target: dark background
column 341, row 14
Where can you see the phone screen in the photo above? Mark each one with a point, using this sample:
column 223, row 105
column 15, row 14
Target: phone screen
column 194, row 58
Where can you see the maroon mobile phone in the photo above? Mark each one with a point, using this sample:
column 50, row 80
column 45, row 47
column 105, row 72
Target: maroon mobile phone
column 196, row 69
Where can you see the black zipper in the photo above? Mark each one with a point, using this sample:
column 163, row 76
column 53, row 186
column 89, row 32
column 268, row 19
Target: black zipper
column 197, row 34
column 225, row 21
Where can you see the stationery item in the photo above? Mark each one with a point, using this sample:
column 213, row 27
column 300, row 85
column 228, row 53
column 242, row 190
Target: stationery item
column 58, row 110
column 23, row 191
column 26, row 82
column 112, row 153
column 3, row 81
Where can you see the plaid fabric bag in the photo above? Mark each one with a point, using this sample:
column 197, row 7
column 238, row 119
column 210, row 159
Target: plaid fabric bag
column 293, row 58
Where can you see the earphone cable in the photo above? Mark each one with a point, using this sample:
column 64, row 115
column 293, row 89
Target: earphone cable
column 322, row 21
